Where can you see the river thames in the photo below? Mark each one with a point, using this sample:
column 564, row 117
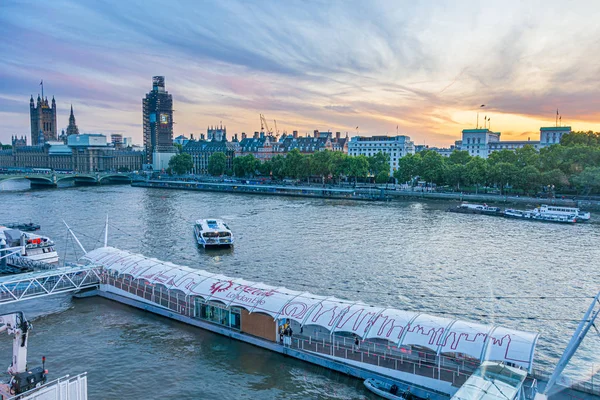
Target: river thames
column 406, row 255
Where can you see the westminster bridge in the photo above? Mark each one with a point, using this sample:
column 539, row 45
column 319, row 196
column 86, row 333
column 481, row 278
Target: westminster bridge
column 49, row 180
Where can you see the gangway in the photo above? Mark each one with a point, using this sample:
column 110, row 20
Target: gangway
column 30, row 285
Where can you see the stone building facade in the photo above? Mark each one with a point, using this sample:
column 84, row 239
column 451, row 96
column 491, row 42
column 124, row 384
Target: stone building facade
column 202, row 150
column 84, row 157
column 43, row 120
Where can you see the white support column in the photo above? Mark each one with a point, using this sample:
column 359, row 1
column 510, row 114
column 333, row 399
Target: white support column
column 584, row 326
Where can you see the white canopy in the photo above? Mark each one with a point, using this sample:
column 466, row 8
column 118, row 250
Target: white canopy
column 440, row 334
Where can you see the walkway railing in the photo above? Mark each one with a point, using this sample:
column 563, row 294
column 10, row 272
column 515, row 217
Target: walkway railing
column 365, row 354
column 65, row 388
column 19, row 287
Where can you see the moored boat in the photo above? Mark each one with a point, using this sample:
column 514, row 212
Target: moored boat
column 390, row 391
column 37, row 247
column 561, row 211
column 24, row 226
column 213, row 233
column 537, row 216
column 467, row 208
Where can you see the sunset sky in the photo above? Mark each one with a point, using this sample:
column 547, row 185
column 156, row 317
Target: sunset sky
column 327, row 65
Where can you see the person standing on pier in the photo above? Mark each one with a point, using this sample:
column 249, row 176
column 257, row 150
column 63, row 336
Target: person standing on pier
column 356, row 343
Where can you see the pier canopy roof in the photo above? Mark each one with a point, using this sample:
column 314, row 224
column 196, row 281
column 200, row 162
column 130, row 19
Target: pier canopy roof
column 444, row 335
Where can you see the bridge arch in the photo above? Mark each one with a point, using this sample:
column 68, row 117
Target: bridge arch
column 115, row 178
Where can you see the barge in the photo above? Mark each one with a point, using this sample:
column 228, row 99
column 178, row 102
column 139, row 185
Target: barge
column 433, row 356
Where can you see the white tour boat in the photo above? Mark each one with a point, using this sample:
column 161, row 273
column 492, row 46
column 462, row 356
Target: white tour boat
column 213, row 233
column 546, row 210
column 537, row 216
column 37, row 247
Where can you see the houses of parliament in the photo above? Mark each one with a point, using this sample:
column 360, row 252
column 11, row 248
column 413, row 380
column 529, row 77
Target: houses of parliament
column 69, row 151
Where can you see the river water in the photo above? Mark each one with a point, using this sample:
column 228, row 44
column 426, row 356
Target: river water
column 407, row 255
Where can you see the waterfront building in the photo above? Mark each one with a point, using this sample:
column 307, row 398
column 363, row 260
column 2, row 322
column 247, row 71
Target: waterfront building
column 443, row 151
column 18, row 141
column 83, row 153
column 483, row 142
column 216, row 133
column 43, row 120
column 116, row 139
column 477, row 141
column 72, row 129
column 181, row 139
column 158, row 124
column 201, row 151
column 263, row 147
column 552, row 135
column 396, row 146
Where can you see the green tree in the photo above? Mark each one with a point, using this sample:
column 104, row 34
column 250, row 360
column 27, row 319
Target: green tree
column 321, row 163
column 580, row 138
column 455, row 175
column 555, row 178
column 432, row 166
column 179, row 147
column 588, row 180
column 181, row 163
column 305, row 167
column 339, row 164
column 502, row 156
column 238, row 167
column 529, row 179
column 460, row 157
column 408, row 167
column 527, row 156
column 379, row 162
column 382, row 177
column 217, row 163
column 245, row 165
column 293, row 164
column 477, row 172
column 359, row 167
column 553, row 157
column 278, row 166
column 504, row 174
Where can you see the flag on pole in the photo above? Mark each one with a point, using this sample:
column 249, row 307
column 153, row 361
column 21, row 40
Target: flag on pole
column 357, row 127
column 483, row 105
column 41, row 82
column 557, row 111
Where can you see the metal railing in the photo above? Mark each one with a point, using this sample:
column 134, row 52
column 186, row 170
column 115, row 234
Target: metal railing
column 364, row 354
column 19, row 287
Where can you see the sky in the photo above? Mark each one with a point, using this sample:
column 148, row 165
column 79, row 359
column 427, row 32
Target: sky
column 388, row 67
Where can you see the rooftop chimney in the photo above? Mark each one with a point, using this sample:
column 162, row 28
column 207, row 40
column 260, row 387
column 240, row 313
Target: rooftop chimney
column 295, row 134
column 316, row 133
column 337, row 135
column 243, row 135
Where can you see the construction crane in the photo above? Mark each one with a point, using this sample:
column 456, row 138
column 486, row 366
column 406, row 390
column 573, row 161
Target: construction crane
column 264, row 127
column 22, row 379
